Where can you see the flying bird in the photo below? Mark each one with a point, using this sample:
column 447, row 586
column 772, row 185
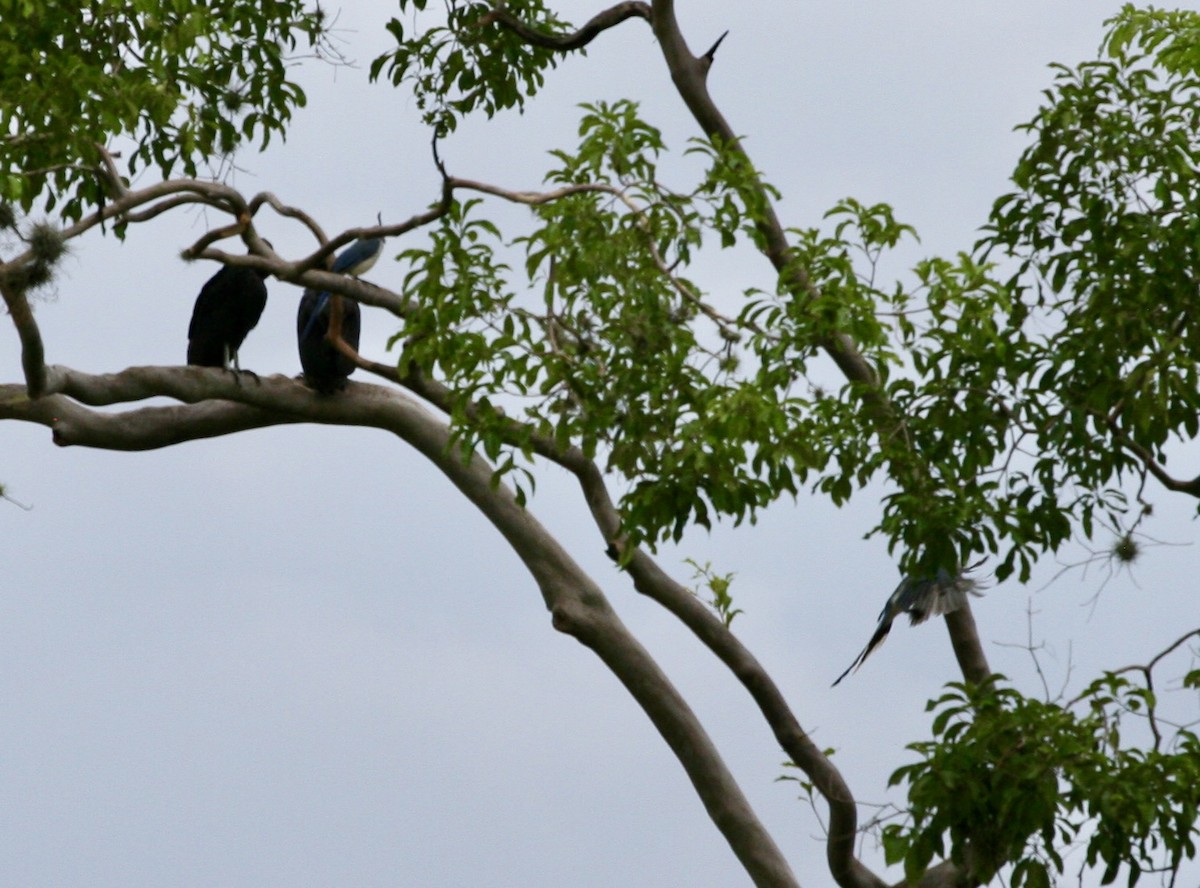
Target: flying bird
column 920, row 598
column 325, row 368
column 228, row 307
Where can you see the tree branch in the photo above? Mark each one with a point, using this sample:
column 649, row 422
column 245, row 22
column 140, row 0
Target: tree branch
column 650, row 580
column 109, row 175
column 689, row 75
column 276, row 399
column 33, row 353
column 212, row 194
column 599, row 23
column 1192, row 487
column 577, row 605
column 319, row 258
column 150, row 428
column 289, row 212
column 968, row 650
column 943, row 875
column 534, row 198
column 1147, row 671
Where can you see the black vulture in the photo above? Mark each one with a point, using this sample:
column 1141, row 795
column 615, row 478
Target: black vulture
column 325, row 368
column 228, row 307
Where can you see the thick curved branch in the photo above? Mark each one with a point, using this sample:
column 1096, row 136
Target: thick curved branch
column 577, row 605
column 152, row 428
column 650, row 580
column 653, row 582
column 33, row 352
column 599, row 23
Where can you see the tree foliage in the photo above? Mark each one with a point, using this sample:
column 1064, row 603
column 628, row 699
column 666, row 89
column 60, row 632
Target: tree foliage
column 1007, row 397
column 185, row 83
column 1103, row 223
column 987, row 792
column 460, row 66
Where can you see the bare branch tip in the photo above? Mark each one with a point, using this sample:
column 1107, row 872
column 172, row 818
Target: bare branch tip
column 17, row 503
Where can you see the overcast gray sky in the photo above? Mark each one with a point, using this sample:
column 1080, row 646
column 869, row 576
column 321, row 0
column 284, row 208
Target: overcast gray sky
column 295, row 657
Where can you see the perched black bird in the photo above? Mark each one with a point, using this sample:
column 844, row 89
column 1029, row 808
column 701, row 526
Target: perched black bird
column 920, row 599
column 325, row 368
column 228, row 307
column 355, row 260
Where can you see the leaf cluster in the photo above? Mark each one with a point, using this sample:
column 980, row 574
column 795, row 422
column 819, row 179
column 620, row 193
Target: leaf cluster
column 1105, row 229
column 185, row 82
column 1009, row 779
column 604, row 346
column 463, row 64
column 1025, row 402
column 1017, row 388
column 718, row 585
